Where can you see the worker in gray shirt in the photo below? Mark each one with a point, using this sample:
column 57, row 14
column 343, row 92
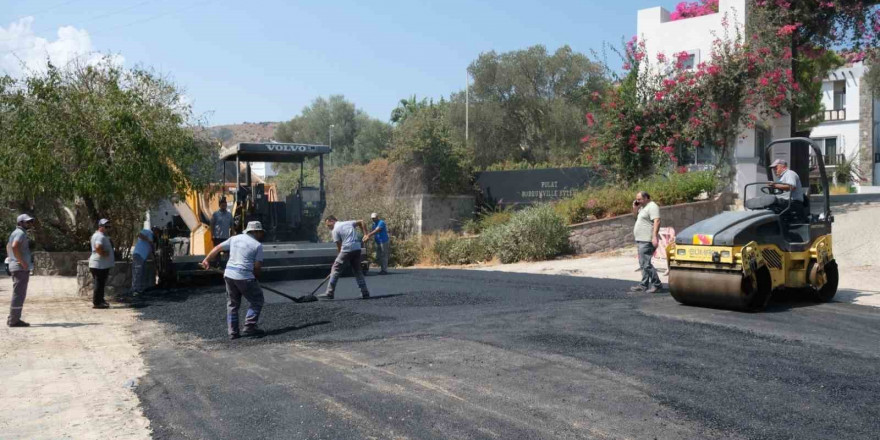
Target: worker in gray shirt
column 221, row 223
column 646, row 234
column 788, row 180
column 245, row 262
column 100, row 262
column 349, row 247
column 20, row 263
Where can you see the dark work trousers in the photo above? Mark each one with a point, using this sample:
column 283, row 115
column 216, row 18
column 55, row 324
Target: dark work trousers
column 20, row 280
column 250, row 289
column 649, row 273
column 353, row 258
column 99, row 281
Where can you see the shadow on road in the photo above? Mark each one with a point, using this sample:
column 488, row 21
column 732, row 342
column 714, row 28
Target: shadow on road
column 291, row 328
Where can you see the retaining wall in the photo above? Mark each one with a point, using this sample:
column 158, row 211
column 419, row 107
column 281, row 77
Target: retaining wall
column 118, row 282
column 57, row 263
column 440, row 213
column 617, row 232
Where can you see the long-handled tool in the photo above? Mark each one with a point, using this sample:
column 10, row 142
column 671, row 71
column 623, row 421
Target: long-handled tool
column 300, row 299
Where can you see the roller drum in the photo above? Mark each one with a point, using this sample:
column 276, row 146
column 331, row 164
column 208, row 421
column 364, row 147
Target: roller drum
column 726, row 290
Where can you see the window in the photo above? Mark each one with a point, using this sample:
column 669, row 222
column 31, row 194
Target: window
column 829, row 149
column 839, row 95
column 762, row 138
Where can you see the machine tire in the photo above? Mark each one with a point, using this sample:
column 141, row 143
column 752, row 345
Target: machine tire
column 827, row 292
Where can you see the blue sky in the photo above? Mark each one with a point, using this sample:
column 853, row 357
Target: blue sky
column 265, row 60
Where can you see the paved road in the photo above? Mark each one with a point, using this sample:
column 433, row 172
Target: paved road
column 467, row 354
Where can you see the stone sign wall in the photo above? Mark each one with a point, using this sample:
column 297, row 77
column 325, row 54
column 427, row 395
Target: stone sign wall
column 617, row 232
column 525, row 187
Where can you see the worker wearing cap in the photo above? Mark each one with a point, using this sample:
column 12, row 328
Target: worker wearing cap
column 245, row 262
column 19, row 264
column 788, row 180
column 142, row 251
column 100, row 262
column 380, row 231
column 221, row 223
column 348, row 247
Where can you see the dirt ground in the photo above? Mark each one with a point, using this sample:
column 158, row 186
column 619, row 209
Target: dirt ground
column 70, row 375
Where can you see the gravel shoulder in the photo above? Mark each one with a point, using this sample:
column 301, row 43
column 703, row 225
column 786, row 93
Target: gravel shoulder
column 72, row 374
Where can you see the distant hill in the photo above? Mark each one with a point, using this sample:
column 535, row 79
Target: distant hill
column 232, row 134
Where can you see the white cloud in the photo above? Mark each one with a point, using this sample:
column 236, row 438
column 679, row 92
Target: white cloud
column 21, row 50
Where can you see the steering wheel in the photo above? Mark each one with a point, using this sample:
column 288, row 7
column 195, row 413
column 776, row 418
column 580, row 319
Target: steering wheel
column 771, row 190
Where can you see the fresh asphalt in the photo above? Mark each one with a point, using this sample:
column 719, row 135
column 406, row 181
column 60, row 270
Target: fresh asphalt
column 440, row 354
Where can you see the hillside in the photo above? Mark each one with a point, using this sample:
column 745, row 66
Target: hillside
column 232, row 134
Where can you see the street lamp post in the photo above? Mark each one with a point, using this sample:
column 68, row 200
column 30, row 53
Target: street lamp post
column 331, row 144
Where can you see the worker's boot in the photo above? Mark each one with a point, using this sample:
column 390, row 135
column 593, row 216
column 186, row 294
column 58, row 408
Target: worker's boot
column 325, row 295
column 365, row 294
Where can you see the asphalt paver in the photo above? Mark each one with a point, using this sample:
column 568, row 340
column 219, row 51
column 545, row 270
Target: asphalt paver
column 465, row 354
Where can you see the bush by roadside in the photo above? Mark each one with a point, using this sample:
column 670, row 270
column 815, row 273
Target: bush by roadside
column 592, row 203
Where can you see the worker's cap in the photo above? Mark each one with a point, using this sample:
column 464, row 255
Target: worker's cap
column 779, row 162
column 374, row 215
column 103, row 222
column 24, row 218
column 253, row 226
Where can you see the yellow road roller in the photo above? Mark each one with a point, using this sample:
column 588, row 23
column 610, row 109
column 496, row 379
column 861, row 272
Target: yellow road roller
column 736, row 260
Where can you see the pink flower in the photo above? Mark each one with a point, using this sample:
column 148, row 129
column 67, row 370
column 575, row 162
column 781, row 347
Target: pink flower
column 659, row 96
column 661, row 57
column 764, row 81
column 695, row 143
column 585, row 139
column 787, row 29
column 590, row 120
column 627, row 66
column 638, row 128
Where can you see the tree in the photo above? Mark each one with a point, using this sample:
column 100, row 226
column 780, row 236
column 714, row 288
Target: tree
column 313, row 126
column 89, row 141
column 528, row 104
column 427, row 157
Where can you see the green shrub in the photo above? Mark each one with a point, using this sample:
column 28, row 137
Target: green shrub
column 405, row 252
column 535, row 233
column 459, row 250
column 611, row 201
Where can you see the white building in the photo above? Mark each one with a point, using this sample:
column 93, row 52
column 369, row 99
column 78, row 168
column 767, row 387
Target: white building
column 839, row 133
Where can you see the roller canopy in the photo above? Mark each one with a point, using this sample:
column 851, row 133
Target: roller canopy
column 272, row 152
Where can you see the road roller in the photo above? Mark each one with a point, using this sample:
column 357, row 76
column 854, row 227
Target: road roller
column 737, row 260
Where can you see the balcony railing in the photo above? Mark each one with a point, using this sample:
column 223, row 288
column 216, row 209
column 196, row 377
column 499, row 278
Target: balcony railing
column 834, row 115
column 830, row 159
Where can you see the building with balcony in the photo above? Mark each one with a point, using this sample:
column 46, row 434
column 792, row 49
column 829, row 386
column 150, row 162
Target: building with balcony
column 849, row 127
column 848, row 130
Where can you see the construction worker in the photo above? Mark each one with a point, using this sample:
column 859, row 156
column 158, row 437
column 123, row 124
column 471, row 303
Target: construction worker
column 221, row 223
column 349, row 247
column 245, row 262
column 20, row 263
column 380, row 231
column 100, row 262
column 142, row 251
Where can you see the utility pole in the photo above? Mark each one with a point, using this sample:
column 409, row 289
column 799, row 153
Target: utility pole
column 330, row 130
column 467, row 105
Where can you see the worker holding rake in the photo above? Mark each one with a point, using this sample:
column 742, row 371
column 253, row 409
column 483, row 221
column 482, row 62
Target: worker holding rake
column 349, row 247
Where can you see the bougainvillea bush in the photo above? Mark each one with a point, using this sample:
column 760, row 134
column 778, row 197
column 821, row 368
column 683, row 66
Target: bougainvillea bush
column 693, row 9
column 774, row 69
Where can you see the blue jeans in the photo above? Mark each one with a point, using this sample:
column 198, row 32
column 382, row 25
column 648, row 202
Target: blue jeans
column 649, row 273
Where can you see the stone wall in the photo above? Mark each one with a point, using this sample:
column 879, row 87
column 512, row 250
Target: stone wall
column 441, row 213
column 866, row 131
column 617, row 232
column 57, row 263
column 118, row 282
